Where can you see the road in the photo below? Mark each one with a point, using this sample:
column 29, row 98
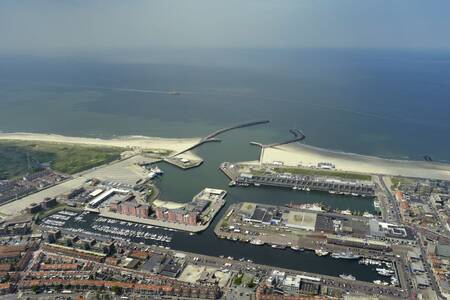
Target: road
column 427, row 265
column 393, row 211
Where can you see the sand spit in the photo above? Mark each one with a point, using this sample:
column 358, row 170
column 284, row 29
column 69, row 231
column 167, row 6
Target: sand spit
column 295, row 154
column 176, row 145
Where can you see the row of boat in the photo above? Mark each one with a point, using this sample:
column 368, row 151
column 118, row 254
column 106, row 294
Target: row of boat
column 129, row 224
column 374, row 262
column 394, row 281
column 318, row 252
column 346, row 193
column 67, row 213
column 113, row 230
column 60, row 217
column 80, row 217
column 345, row 255
column 295, row 188
column 53, row 222
column 57, row 220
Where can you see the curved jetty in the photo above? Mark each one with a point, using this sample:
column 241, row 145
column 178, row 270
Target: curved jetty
column 211, row 137
column 298, row 136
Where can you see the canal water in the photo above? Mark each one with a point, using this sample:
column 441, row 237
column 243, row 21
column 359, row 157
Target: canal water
column 182, row 185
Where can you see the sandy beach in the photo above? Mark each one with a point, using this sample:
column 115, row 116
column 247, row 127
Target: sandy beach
column 142, row 142
column 295, row 154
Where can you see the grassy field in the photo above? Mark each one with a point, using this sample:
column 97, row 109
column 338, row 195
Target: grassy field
column 331, row 173
column 396, row 181
column 19, row 157
column 159, row 152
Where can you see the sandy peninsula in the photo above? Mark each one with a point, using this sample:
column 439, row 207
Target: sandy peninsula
column 141, row 142
column 295, row 154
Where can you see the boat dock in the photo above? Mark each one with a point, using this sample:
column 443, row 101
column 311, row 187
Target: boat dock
column 183, row 163
column 229, row 170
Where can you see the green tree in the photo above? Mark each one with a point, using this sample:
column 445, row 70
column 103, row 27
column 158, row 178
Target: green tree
column 116, row 290
column 35, row 289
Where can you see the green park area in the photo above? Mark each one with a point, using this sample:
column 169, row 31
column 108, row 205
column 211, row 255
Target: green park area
column 328, row 173
column 18, row 158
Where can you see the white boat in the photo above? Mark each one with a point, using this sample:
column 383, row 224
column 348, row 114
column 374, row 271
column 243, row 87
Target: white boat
column 157, row 170
column 278, row 246
column 347, row 277
column 256, row 242
column 345, row 255
column 321, row 252
column 394, row 281
column 384, row 272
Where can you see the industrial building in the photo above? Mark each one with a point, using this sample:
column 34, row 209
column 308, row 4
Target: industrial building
column 300, row 220
column 100, row 196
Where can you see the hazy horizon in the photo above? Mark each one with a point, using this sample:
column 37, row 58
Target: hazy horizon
column 96, row 28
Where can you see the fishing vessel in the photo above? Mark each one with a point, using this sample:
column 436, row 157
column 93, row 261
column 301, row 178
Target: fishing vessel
column 345, row 255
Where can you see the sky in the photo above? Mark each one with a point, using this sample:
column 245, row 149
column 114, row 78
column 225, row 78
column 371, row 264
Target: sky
column 69, row 27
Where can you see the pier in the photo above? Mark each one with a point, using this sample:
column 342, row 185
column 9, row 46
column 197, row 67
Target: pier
column 306, row 182
column 298, row 136
column 211, row 137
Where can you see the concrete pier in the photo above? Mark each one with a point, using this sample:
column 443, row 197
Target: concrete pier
column 211, row 137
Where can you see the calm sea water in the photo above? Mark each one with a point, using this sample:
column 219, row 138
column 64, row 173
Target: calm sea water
column 386, row 103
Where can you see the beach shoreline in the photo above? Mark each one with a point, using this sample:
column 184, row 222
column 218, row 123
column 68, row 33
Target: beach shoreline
column 142, row 142
column 305, row 155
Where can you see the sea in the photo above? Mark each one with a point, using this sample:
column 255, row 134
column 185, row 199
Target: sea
column 387, row 103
